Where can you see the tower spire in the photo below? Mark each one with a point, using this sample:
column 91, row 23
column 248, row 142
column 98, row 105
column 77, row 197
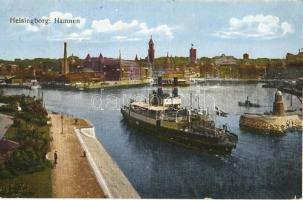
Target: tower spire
column 136, row 58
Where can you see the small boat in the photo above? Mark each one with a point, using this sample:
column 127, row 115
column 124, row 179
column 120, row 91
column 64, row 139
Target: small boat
column 248, row 103
column 220, row 112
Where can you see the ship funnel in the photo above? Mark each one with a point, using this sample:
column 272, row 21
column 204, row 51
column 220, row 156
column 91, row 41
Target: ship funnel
column 175, row 87
column 160, row 90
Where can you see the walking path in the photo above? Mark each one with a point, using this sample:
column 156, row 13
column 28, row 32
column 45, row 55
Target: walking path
column 72, row 177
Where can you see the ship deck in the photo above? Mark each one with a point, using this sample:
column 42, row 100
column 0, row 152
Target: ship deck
column 147, row 106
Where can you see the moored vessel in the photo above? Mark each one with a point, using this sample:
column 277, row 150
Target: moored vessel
column 248, row 103
column 162, row 115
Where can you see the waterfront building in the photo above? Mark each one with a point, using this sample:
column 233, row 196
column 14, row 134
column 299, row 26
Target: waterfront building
column 224, row 60
column 171, row 73
column 130, row 70
column 109, row 68
column 9, row 69
column 192, row 55
column 225, row 66
column 295, row 60
column 112, row 69
column 289, row 68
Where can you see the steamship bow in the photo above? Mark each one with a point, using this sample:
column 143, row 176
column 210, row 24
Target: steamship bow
column 163, row 116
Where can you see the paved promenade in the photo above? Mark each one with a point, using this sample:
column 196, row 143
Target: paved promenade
column 72, row 177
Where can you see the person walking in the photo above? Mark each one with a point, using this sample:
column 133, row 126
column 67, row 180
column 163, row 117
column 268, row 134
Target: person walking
column 55, row 158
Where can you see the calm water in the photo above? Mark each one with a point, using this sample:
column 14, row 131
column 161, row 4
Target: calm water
column 261, row 166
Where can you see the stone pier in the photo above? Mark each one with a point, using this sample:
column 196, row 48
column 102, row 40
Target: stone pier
column 111, row 179
column 270, row 123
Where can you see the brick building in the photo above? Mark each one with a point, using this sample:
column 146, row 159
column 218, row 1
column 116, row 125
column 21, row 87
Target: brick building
column 113, row 69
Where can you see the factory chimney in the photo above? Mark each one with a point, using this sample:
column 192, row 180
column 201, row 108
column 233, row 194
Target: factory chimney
column 65, row 67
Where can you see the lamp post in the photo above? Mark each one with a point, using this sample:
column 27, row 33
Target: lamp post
column 61, row 123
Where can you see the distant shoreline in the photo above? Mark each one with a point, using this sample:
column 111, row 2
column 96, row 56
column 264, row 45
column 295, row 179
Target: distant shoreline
column 140, row 84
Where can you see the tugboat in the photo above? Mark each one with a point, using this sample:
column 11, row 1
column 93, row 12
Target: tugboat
column 248, row 103
column 163, row 116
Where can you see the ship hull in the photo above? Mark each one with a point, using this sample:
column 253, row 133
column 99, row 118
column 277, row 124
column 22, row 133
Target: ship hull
column 183, row 138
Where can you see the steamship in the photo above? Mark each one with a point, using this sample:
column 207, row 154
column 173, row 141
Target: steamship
column 164, row 117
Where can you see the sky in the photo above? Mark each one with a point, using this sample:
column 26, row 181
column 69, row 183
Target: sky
column 261, row 28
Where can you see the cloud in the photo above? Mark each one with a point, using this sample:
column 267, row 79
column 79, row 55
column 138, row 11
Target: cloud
column 134, row 27
column 83, row 35
column 125, row 38
column 100, row 29
column 256, row 26
column 31, row 28
column 105, row 25
column 161, row 29
column 120, row 37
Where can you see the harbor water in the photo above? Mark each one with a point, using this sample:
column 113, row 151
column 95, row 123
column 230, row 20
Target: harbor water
column 261, row 166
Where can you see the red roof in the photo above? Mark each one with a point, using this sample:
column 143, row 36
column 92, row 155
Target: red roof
column 103, row 60
column 111, row 61
column 7, row 145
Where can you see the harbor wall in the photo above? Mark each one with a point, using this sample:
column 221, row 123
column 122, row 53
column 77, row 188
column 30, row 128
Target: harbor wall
column 109, row 176
column 271, row 124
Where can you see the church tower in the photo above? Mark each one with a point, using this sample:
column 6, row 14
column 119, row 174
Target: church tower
column 151, row 51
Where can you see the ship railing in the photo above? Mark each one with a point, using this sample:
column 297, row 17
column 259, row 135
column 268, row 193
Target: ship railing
column 175, row 119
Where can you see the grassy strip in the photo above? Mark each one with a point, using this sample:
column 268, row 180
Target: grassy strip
column 39, row 183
